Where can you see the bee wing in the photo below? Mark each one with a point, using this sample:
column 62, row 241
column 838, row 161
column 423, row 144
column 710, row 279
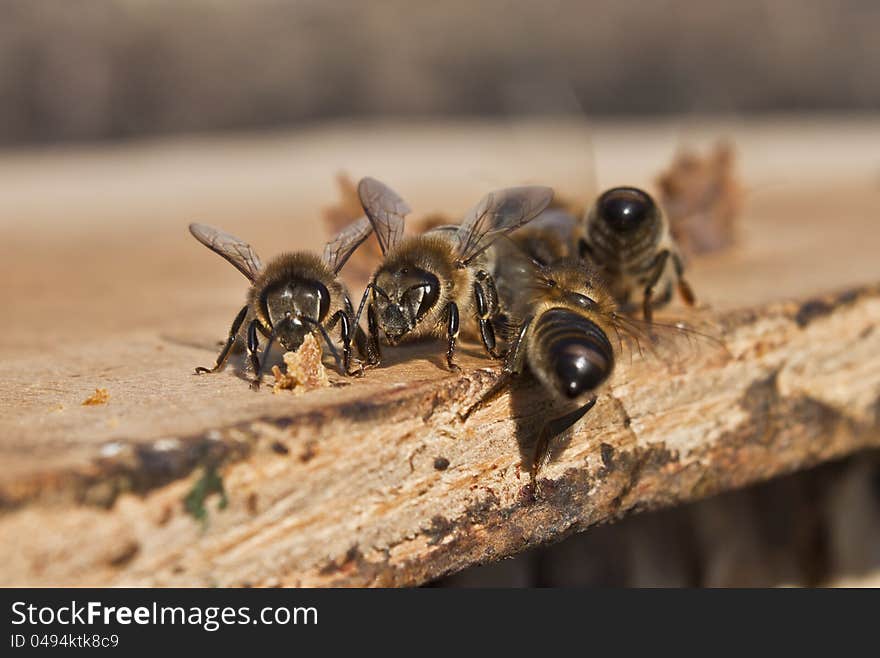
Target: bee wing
column 559, row 221
column 385, row 209
column 236, row 251
column 672, row 342
column 340, row 248
column 497, row 214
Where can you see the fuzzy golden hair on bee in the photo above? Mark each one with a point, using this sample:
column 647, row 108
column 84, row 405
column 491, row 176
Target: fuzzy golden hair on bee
column 299, row 263
column 570, row 335
column 576, row 276
column 567, row 283
column 427, row 283
column 429, row 252
column 296, row 266
column 428, row 260
column 627, row 235
column 294, row 295
column 583, row 289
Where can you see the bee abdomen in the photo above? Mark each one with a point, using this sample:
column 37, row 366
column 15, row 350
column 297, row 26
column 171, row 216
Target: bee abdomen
column 630, row 253
column 574, row 355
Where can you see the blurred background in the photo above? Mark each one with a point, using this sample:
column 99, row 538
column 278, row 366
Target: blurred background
column 121, row 120
column 110, row 69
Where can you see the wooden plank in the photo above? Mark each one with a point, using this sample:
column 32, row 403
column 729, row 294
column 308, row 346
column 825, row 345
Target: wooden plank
column 350, row 485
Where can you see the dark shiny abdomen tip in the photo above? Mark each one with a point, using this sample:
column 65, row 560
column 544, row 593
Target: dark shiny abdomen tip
column 624, row 209
column 579, row 368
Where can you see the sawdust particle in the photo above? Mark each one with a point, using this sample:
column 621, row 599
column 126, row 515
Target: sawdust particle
column 100, row 396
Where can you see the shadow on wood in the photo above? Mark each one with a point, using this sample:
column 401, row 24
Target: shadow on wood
column 377, row 482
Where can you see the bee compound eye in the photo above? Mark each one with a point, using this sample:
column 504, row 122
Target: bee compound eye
column 426, row 293
column 624, row 209
column 581, row 300
column 322, row 299
column 429, row 294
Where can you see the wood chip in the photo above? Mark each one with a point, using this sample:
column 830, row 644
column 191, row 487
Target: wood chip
column 100, row 396
column 304, row 369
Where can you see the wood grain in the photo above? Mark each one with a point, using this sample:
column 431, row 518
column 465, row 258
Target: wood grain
column 375, row 481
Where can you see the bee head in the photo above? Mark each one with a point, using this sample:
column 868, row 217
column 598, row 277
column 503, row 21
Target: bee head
column 403, row 297
column 291, row 332
column 294, row 308
column 625, row 209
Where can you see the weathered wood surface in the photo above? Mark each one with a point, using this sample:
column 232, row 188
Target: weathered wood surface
column 349, row 485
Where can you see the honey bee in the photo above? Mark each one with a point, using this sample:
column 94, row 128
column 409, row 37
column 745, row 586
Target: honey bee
column 427, row 281
column 293, row 295
column 569, row 337
column 627, row 235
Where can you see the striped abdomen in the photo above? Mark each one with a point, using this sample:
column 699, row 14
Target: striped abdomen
column 570, row 353
column 624, row 229
column 627, row 253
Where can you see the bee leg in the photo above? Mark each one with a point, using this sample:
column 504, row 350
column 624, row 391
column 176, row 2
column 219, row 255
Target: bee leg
column 345, row 333
column 345, row 316
column 513, row 366
column 487, row 334
column 373, row 352
column 341, row 365
column 340, row 317
column 486, row 303
column 364, row 297
column 684, row 288
column 361, row 346
column 451, row 335
column 368, row 346
column 253, row 344
column 657, row 266
column 551, row 430
column 224, row 353
column 357, row 336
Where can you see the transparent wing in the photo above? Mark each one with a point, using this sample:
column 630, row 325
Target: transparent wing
column 236, row 251
column 550, row 237
column 497, row 214
column 385, row 209
column 338, row 250
column 558, row 221
column 675, row 343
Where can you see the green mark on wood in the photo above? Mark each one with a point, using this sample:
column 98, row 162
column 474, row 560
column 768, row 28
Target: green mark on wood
column 209, row 483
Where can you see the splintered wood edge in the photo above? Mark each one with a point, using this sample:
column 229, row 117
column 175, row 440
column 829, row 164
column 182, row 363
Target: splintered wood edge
column 798, row 387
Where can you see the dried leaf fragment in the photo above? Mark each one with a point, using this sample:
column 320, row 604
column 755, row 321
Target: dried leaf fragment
column 342, row 213
column 702, row 197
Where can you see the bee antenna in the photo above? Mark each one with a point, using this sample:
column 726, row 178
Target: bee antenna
column 271, row 340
